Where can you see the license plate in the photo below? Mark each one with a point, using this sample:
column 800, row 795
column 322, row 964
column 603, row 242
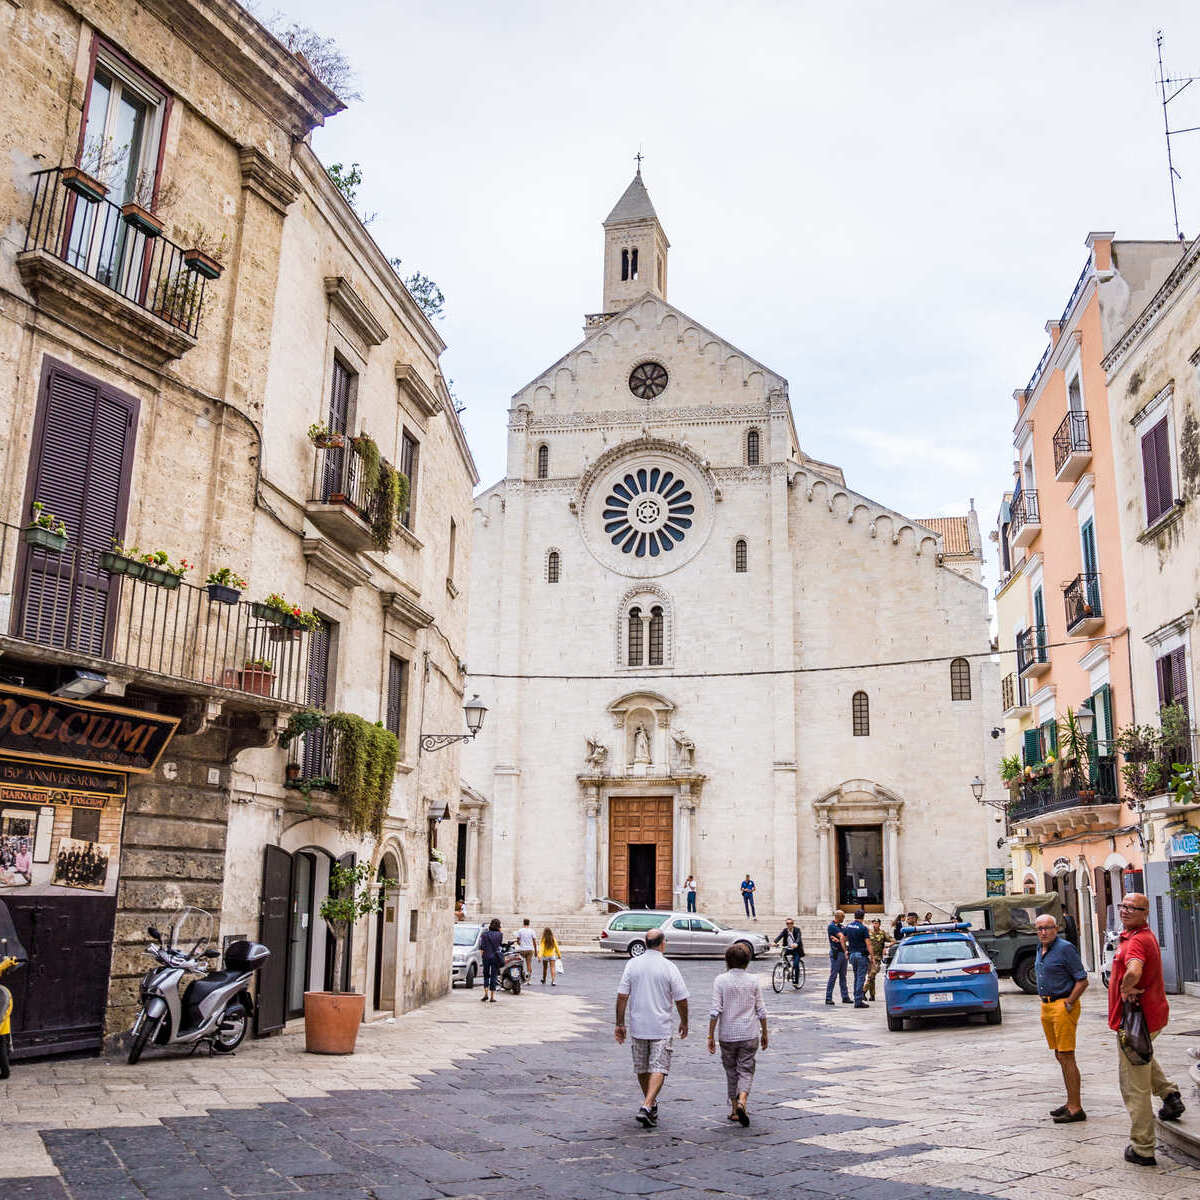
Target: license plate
column 940, row 997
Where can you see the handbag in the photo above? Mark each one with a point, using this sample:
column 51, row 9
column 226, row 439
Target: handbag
column 1133, row 1035
column 562, row 967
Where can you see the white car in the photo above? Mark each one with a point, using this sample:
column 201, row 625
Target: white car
column 686, row 933
column 467, row 962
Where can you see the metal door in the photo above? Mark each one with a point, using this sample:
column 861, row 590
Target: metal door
column 59, row 997
column 273, row 933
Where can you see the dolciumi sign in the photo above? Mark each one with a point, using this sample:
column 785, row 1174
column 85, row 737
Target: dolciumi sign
column 34, row 725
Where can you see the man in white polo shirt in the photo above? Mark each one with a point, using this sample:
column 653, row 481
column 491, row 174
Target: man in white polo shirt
column 650, row 985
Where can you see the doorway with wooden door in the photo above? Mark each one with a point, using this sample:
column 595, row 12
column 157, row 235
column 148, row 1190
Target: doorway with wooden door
column 641, row 850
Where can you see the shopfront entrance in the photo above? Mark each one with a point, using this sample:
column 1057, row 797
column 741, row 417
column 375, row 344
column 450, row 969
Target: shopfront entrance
column 860, row 867
column 640, row 848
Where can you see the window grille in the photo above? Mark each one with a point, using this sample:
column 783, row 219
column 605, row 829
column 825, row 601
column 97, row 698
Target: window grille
column 752, row 448
column 739, row 556
column 543, row 461
column 635, row 655
column 656, row 636
column 860, row 708
column 960, row 679
column 552, row 567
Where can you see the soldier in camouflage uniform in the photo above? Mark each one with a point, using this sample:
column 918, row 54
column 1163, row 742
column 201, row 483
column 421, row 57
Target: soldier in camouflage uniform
column 878, row 940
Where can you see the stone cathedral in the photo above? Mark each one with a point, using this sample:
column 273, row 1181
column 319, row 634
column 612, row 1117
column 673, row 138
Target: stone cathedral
column 697, row 643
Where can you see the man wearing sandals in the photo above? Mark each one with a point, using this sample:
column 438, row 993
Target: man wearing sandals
column 738, row 1020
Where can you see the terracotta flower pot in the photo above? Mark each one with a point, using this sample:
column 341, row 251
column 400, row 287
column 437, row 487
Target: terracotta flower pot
column 331, row 1021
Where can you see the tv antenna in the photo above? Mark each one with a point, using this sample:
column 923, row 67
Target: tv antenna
column 1179, row 84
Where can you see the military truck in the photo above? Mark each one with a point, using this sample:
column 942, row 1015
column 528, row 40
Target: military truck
column 1003, row 927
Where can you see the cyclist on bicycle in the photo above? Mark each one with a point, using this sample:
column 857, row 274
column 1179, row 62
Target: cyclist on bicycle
column 793, row 947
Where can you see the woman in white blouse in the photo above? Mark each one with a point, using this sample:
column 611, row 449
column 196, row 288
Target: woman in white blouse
column 738, row 1020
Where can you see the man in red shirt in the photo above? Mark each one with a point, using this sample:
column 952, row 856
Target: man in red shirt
column 1137, row 975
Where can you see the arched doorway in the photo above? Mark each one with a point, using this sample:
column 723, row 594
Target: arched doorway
column 310, row 948
column 386, row 932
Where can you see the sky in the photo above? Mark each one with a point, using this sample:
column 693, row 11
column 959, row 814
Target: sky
column 884, row 202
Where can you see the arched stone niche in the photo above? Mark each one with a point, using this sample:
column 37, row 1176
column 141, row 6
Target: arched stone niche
column 650, row 712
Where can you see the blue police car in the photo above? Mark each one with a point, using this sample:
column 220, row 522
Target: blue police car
column 939, row 969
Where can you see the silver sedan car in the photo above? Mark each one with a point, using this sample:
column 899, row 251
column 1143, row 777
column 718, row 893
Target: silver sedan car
column 467, row 962
column 686, row 934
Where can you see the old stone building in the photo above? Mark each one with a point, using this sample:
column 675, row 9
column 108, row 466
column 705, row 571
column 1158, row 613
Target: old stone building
column 705, row 652
column 183, row 293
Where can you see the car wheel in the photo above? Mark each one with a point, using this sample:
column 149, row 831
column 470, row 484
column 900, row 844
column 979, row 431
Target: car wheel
column 749, row 949
column 1025, row 975
column 994, row 1016
column 895, row 1024
column 470, row 979
column 636, row 948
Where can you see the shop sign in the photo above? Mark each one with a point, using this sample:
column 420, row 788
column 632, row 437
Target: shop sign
column 51, row 783
column 995, row 881
column 46, row 728
column 1184, row 845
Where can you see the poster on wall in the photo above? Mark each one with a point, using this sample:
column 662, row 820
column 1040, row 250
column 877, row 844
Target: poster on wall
column 16, row 848
column 82, row 864
column 996, row 883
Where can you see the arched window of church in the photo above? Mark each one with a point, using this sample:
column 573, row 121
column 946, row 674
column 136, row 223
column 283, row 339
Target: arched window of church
column 552, row 567
column 543, row 461
column 624, row 265
column 860, row 710
column 635, row 637
column 752, row 448
column 739, row 556
column 960, row 679
column 662, row 283
column 633, row 263
column 656, row 636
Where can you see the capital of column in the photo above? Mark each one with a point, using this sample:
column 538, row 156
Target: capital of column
column 592, row 809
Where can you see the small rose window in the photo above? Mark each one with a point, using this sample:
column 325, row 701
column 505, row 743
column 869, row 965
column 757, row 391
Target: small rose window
column 648, row 380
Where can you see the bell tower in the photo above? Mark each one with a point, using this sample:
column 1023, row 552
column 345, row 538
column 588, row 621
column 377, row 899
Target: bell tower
column 635, row 248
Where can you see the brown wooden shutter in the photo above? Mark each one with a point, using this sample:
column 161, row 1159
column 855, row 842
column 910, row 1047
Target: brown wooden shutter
column 397, row 670
column 1156, row 471
column 314, row 756
column 274, row 916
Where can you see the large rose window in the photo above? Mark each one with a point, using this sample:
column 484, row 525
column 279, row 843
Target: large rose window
column 648, row 512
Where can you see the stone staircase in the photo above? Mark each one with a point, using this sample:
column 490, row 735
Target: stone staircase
column 582, row 930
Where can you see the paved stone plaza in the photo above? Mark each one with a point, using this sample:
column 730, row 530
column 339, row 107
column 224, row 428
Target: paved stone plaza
column 530, row 1096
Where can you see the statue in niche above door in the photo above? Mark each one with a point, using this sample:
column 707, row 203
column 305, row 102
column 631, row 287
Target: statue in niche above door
column 641, row 745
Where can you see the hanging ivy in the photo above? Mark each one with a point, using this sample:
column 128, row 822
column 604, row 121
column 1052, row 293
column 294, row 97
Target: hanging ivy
column 391, row 498
column 366, row 763
column 369, row 453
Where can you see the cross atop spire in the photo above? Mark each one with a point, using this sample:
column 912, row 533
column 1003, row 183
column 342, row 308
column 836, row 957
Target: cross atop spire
column 639, row 157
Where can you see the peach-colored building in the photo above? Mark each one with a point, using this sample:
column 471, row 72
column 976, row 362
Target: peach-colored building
column 1063, row 590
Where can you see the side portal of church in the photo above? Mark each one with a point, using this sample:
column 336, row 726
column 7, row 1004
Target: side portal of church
column 703, row 653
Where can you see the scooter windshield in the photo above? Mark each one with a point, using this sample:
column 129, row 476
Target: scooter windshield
column 191, row 930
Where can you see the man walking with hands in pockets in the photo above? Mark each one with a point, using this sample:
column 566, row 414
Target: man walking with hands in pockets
column 649, row 988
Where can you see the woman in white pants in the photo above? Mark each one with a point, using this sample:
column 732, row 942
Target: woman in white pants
column 738, row 1020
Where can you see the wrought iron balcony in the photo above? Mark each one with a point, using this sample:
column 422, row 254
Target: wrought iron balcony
column 79, row 606
column 341, row 505
column 1012, row 695
column 1081, row 599
column 118, row 249
column 1072, row 447
column 1090, row 803
column 313, row 760
column 1025, row 520
column 1032, row 655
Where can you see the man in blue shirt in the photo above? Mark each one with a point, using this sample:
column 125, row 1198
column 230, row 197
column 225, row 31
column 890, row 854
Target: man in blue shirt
column 1061, row 980
column 856, row 934
column 748, row 897
column 837, row 957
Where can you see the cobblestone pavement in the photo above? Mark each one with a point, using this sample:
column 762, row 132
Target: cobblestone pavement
column 530, row 1096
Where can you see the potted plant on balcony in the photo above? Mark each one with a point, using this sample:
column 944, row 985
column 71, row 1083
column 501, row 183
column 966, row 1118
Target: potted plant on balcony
column 368, row 452
column 224, row 585
column 205, row 253
column 99, row 159
column 331, row 1019
column 323, row 438
column 278, row 610
column 136, row 212
column 123, row 560
column 1182, row 784
column 162, row 572
column 257, row 676
column 178, row 300
column 45, row 530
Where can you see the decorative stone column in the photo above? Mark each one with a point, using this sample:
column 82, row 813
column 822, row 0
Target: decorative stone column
column 892, row 892
column 824, row 869
column 471, row 900
column 590, row 845
column 684, row 833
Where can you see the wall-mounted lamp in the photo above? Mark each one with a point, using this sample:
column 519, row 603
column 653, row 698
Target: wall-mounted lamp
column 474, row 710
column 85, row 684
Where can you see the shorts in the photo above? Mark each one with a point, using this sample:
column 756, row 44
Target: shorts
column 1059, row 1025
column 652, row 1056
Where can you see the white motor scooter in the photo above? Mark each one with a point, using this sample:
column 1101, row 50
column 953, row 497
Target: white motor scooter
column 214, row 1009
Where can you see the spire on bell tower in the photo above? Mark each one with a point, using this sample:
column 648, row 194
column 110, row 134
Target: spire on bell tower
column 635, row 247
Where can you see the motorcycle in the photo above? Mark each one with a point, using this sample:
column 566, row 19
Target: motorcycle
column 215, row 1008
column 12, row 954
column 512, row 969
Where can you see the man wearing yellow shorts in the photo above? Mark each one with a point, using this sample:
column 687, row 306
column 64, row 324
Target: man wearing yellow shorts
column 1061, row 980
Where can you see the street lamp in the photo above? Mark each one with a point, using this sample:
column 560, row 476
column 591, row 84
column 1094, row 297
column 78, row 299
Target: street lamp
column 474, row 710
column 977, row 788
column 1085, row 719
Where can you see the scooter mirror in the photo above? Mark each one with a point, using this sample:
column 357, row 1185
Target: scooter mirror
column 153, row 932
column 211, row 953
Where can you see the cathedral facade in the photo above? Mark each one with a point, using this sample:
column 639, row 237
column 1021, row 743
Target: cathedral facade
column 705, row 654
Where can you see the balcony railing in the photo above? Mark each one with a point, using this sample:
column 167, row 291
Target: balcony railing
column 1081, row 599
column 1039, row 797
column 78, row 600
column 1012, row 692
column 1072, row 438
column 94, row 237
column 316, row 755
column 1025, row 517
column 1031, row 649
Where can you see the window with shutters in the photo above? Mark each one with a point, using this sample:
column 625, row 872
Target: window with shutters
column 1171, row 670
column 337, row 419
column 80, row 470
column 960, row 679
column 1156, row 470
column 397, row 697
column 316, row 751
column 860, row 712
column 553, row 566
column 752, row 452
column 410, row 452
column 739, row 556
column 543, row 461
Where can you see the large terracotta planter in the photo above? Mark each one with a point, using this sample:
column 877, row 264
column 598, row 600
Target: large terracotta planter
column 331, row 1021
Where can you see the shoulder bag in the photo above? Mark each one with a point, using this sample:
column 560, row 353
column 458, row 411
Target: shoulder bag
column 1133, row 1036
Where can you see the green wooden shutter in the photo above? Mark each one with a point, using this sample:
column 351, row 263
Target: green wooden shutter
column 1033, row 747
column 1050, row 736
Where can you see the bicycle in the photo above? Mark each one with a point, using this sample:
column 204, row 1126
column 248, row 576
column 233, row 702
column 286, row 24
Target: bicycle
column 784, row 973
